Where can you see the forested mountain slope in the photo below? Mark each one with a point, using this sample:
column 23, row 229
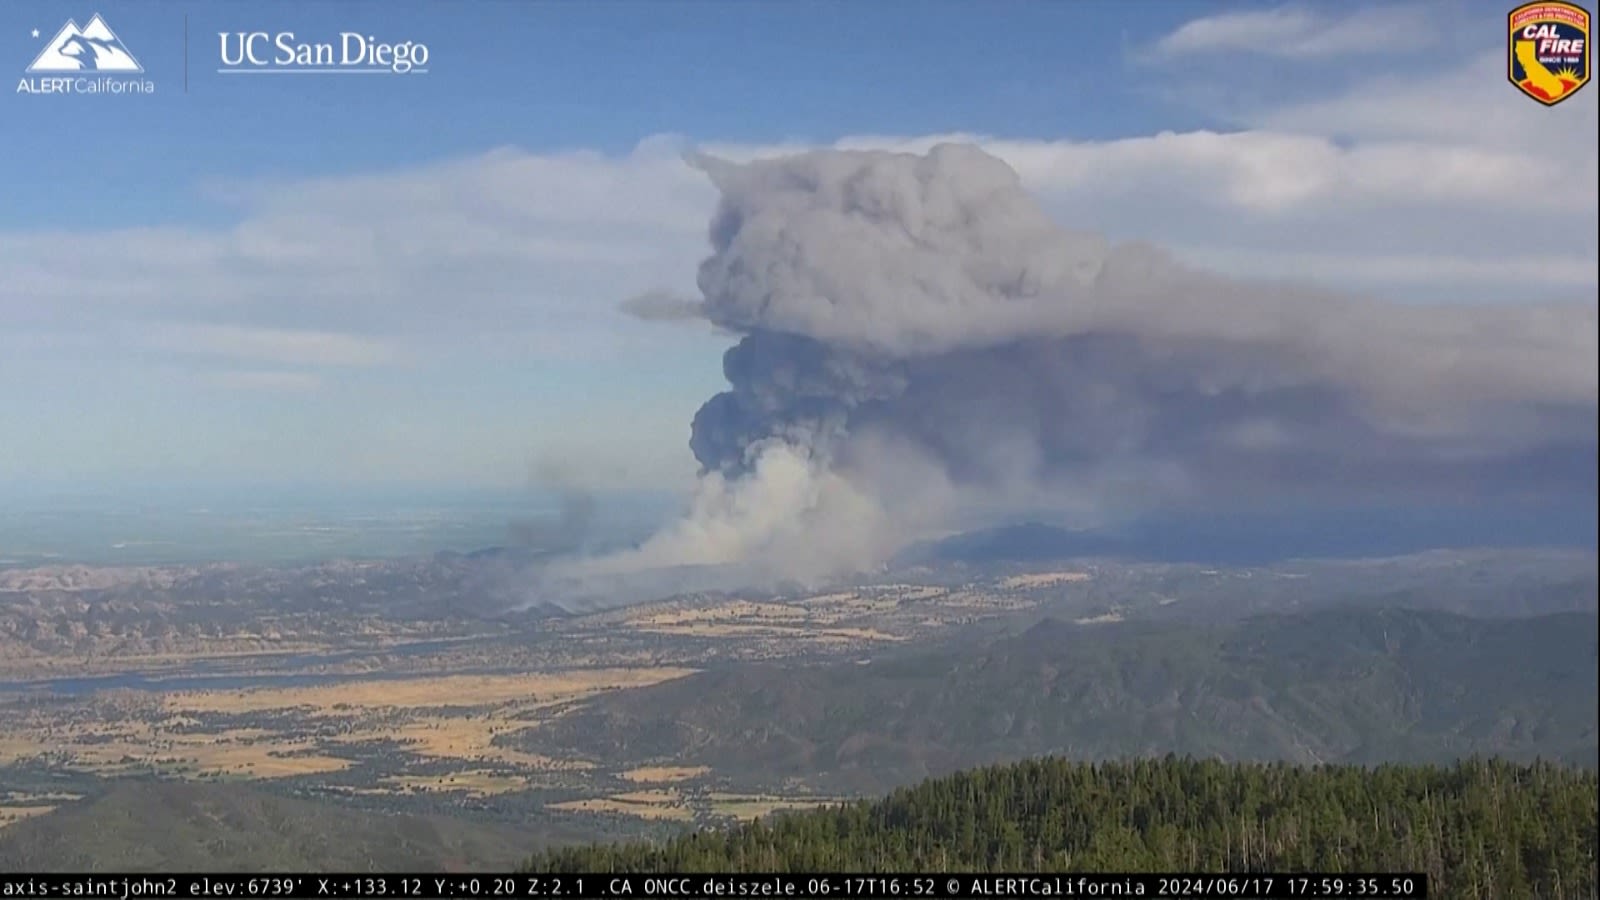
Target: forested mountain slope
column 1344, row 685
column 1479, row 829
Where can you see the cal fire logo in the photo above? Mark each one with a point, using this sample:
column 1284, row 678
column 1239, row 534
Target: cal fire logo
column 1548, row 50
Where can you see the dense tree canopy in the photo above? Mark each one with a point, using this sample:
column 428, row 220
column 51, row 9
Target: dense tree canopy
column 1478, row 828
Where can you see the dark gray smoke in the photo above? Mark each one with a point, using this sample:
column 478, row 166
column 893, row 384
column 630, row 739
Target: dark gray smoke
column 921, row 342
column 568, row 532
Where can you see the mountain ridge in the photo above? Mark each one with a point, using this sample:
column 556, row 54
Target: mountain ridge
column 151, row 826
column 1342, row 685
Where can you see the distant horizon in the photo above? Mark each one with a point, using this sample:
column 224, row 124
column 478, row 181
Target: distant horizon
column 368, row 523
column 246, row 523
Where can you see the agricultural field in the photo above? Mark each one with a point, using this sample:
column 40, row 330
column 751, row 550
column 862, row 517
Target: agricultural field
column 375, row 684
column 408, row 711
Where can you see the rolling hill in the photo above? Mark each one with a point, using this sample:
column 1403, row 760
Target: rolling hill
column 149, row 826
column 1345, row 685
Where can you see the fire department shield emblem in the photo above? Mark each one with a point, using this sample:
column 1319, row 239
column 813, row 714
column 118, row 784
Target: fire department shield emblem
column 1547, row 50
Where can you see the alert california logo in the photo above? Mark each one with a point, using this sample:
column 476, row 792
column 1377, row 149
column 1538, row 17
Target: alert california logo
column 89, row 60
column 1547, row 50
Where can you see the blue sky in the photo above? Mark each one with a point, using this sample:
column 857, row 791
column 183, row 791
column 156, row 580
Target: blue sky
column 414, row 279
column 564, row 75
column 602, row 75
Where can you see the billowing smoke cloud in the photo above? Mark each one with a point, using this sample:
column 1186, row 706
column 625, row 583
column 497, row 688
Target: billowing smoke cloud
column 921, row 342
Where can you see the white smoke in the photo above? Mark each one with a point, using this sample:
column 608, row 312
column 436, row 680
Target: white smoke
column 789, row 515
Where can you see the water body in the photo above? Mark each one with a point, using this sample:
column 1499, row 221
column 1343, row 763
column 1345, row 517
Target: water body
column 84, row 685
column 210, row 675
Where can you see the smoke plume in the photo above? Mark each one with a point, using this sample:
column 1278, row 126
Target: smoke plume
column 920, row 344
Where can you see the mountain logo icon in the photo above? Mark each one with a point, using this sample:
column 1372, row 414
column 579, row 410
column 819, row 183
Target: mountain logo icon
column 93, row 48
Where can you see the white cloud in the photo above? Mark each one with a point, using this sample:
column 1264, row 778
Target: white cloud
column 1446, row 187
column 1422, row 270
column 1469, row 105
column 508, row 248
column 1302, row 32
column 1268, row 172
column 273, row 345
column 1447, row 213
column 1391, row 187
column 263, row 380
